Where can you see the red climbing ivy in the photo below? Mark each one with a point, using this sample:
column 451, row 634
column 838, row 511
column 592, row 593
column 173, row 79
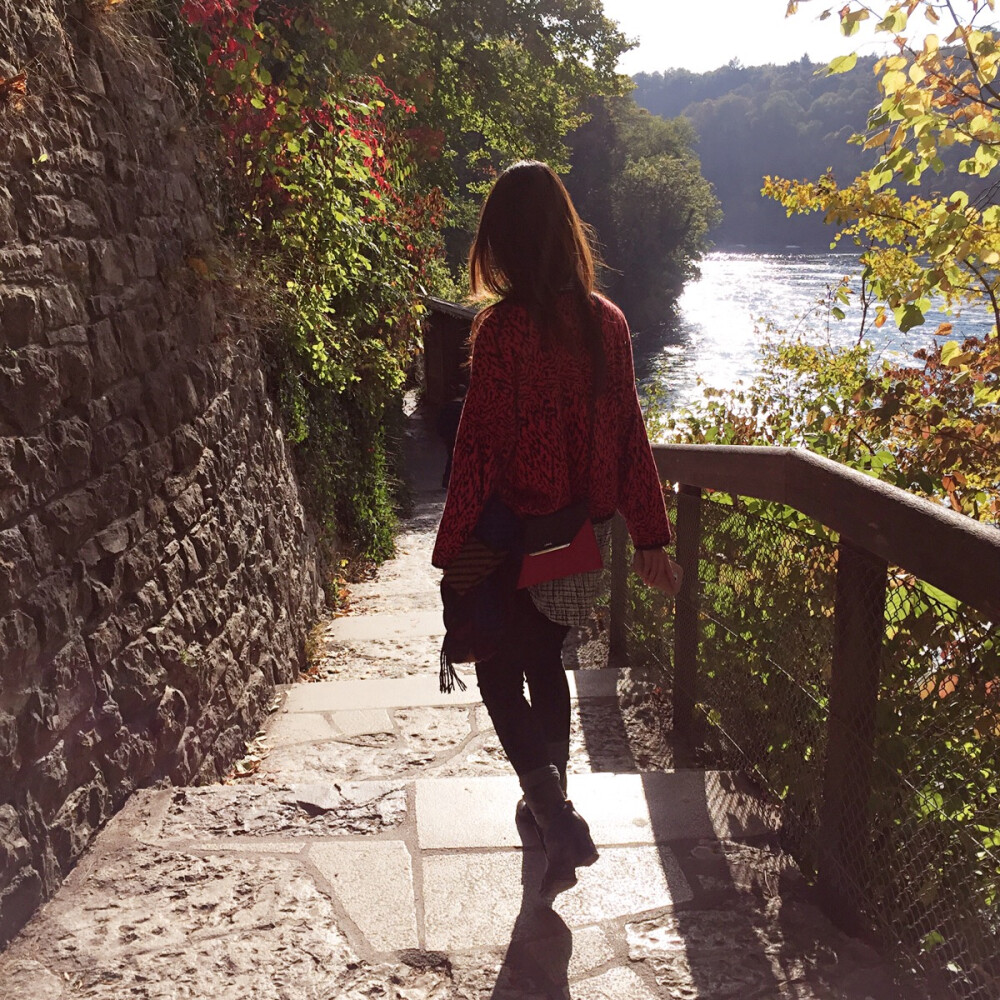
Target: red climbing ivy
column 276, row 103
column 316, row 165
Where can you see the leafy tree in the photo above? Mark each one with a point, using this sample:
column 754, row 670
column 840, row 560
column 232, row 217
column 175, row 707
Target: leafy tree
column 936, row 97
column 491, row 82
column 636, row 179
column 350, row 135
column 339, row 124
column 312, row 164
column 768, row 601
column 939, row 421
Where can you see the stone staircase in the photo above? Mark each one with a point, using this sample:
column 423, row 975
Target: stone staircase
column 374, row 854
column 370, row 851
column 452, row 868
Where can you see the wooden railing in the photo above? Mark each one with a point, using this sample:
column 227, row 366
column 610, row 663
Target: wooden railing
column 879, row 526
column 948, row 550
column 446, row 348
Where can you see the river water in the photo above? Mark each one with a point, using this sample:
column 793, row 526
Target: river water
column 721, row 318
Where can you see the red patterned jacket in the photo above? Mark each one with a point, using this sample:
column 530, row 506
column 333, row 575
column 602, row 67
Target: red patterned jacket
column 524, row 433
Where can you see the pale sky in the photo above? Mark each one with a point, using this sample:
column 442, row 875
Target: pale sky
column 703, row 35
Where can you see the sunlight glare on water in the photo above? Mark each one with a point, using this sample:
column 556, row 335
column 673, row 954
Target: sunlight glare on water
column 715, row 338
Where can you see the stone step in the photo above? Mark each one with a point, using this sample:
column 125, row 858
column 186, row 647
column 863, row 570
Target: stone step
column 386, row 627
column 422, row 691
column 329, row 730
column 439, row 864
column 465, row 813
column 476, row 902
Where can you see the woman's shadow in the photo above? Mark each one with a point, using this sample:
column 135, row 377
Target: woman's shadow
column 536, row 963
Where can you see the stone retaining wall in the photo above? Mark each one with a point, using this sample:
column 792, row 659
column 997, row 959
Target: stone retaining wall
column 157, row 575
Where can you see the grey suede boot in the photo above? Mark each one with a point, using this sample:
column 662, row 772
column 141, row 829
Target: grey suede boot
column 558, row 754
column 564, row 832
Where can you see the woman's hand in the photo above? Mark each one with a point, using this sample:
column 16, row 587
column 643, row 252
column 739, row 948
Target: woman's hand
column 657, row 569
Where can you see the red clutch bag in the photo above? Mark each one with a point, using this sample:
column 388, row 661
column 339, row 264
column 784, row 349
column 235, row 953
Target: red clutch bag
column 558, row 545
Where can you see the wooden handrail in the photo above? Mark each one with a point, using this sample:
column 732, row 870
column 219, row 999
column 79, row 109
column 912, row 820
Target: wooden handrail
column 453, row 309
column 948, row 550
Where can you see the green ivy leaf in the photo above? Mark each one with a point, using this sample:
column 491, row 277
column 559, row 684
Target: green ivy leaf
column 908, row 316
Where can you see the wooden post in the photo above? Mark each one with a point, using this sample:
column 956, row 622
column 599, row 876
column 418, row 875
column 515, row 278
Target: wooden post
column 686, row 610
column 859, row 631
column 619, row 592
column 434, row 370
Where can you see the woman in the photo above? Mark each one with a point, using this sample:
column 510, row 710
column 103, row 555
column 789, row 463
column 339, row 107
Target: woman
column 551, row 417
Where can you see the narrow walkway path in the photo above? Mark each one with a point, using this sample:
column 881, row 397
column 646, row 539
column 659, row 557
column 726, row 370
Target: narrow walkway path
column 374, row 854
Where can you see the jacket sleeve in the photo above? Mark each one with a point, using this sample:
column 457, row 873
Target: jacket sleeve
column 484, row 441
column 640, row 494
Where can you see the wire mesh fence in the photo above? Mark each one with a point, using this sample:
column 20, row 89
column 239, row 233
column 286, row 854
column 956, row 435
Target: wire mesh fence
column 935, row 806
column 918, row 849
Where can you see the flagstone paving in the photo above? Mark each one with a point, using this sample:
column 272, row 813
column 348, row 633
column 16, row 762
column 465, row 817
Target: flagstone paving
column 374, row 854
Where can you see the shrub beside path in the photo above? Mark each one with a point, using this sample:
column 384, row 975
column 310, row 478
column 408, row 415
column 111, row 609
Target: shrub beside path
column 371, row 852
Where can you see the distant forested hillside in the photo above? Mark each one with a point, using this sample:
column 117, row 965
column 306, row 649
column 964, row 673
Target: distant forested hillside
column 757, row 120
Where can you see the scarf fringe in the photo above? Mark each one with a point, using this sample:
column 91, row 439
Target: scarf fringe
column 448, row 677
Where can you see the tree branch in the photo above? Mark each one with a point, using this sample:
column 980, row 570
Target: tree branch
column 989, row 290
column 865, row 303
column 972, row 56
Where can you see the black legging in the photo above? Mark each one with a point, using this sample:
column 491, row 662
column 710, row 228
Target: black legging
column 531, row 652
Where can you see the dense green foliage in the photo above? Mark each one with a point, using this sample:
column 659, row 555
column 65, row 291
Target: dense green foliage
column 930, row 879
column 930, row 426
column 635, row 178
column 321, row 201
column 491, row 83
column 929, row 876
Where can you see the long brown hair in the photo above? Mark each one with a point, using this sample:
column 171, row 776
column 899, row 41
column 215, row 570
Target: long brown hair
column 531, row 248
